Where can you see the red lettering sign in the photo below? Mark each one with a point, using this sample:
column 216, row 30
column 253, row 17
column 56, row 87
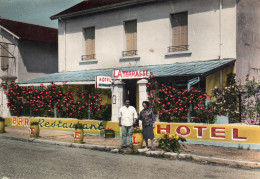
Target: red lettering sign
column 167, row 129
column 235, row 135
column 14, row 121
column 20, row 121
column 77, row 135
column 26, row 122
column 134, row 141
column 32, row 129
column 178, row 130
column 200, row 130
column 131, row 74
column 218, row 132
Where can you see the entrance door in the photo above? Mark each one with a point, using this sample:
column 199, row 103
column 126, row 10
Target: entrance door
column 130, row 91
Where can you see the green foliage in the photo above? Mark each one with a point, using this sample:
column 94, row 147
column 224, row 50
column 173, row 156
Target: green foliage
column 34, row 123
column 68, row 101
column 228, row 100
column 78, row 126
column 137, row 130
column 207, row 115
column 104, row 113
column 170, row 143
column 251, row 100
column 172, row 104
column 238, row 102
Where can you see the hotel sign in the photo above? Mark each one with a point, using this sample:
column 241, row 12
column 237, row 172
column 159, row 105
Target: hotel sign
column 119, row 74
column 103, row 82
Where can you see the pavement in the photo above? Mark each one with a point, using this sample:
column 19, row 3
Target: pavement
column 233, row 157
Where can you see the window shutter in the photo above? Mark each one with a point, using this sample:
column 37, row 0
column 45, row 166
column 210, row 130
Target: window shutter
column 180, row 29
column 131, row 35
column 90, row 41
column 4, row 59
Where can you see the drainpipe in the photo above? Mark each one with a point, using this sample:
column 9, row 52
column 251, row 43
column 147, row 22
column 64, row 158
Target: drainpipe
column 191, row 82
column 220, row 29
column 220, row 41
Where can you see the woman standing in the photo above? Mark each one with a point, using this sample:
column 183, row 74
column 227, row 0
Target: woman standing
column 148, row 121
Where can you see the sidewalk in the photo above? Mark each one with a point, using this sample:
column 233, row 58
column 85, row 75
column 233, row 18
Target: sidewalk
column 200, row 153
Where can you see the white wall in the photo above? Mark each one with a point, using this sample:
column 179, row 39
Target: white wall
column 153, row 35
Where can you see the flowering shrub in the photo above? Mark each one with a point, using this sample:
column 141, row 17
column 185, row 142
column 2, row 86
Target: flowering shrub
column 43, row 101
column 137, row 130
column 251, row 101
column 238, row 102
column 173, row 104
column 207, row 115
column 109, row 129
column 170, row 143
column 109, row 133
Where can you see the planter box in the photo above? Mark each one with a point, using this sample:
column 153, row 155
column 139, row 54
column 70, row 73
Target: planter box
column 109, row 133
column 2, row 126
column 34, row 131
column 78, row 136
column 137, row 140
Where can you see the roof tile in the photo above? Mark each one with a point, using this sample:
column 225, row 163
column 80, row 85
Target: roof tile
column 30, row 31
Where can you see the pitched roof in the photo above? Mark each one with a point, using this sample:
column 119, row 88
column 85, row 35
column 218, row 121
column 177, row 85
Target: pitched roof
column 200, row 68
column 32, row 32
column 92, row 6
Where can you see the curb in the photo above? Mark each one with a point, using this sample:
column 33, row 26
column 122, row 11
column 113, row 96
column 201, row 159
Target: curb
column 161, row 154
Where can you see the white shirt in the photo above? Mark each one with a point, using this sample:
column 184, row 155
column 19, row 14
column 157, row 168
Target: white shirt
column 127, row 115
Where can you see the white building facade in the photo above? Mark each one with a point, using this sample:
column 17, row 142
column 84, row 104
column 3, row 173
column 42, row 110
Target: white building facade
column 182, row 42
column 210, row 35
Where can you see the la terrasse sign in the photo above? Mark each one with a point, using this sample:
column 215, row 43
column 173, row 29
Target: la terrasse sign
column 119, row 74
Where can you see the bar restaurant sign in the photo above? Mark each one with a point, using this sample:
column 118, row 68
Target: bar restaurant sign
column 103, row 82
column 119, row 74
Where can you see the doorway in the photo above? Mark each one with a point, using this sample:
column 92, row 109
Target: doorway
column 130, row 91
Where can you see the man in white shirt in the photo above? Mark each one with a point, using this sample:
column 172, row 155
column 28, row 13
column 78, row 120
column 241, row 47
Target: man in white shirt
column 127, row 118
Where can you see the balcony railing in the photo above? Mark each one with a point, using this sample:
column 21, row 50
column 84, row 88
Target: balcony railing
column 88, row 57
column 177, row 48
column 129, row 53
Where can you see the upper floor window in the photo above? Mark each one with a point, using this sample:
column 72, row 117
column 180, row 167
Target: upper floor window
column 4, row 56
column 179, row 22
column 89, row 44
column 131, row 38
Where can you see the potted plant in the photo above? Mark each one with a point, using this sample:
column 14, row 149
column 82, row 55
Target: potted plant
column 34, row 129
column 109, row 133
column 170, row 143
column 79, row 133
column 2, row 125
column 137, row 138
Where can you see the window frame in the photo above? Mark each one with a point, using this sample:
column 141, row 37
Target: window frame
column 89, row 43
column 4, row 56
column 130, row 30
column 179, row 32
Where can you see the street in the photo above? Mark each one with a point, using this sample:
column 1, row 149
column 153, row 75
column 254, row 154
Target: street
column 20, row 159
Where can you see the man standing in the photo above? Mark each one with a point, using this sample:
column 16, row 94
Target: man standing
column 127, row 118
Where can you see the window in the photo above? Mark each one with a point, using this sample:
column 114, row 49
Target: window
column 131, row 38
column 4, row 56
column 179, row 23
column 90, row 44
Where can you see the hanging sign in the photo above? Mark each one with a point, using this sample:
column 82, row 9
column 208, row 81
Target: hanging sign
column 103, row 82
column 119, row 74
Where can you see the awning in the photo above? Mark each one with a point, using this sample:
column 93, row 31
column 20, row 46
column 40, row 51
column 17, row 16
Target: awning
column 199, row 68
